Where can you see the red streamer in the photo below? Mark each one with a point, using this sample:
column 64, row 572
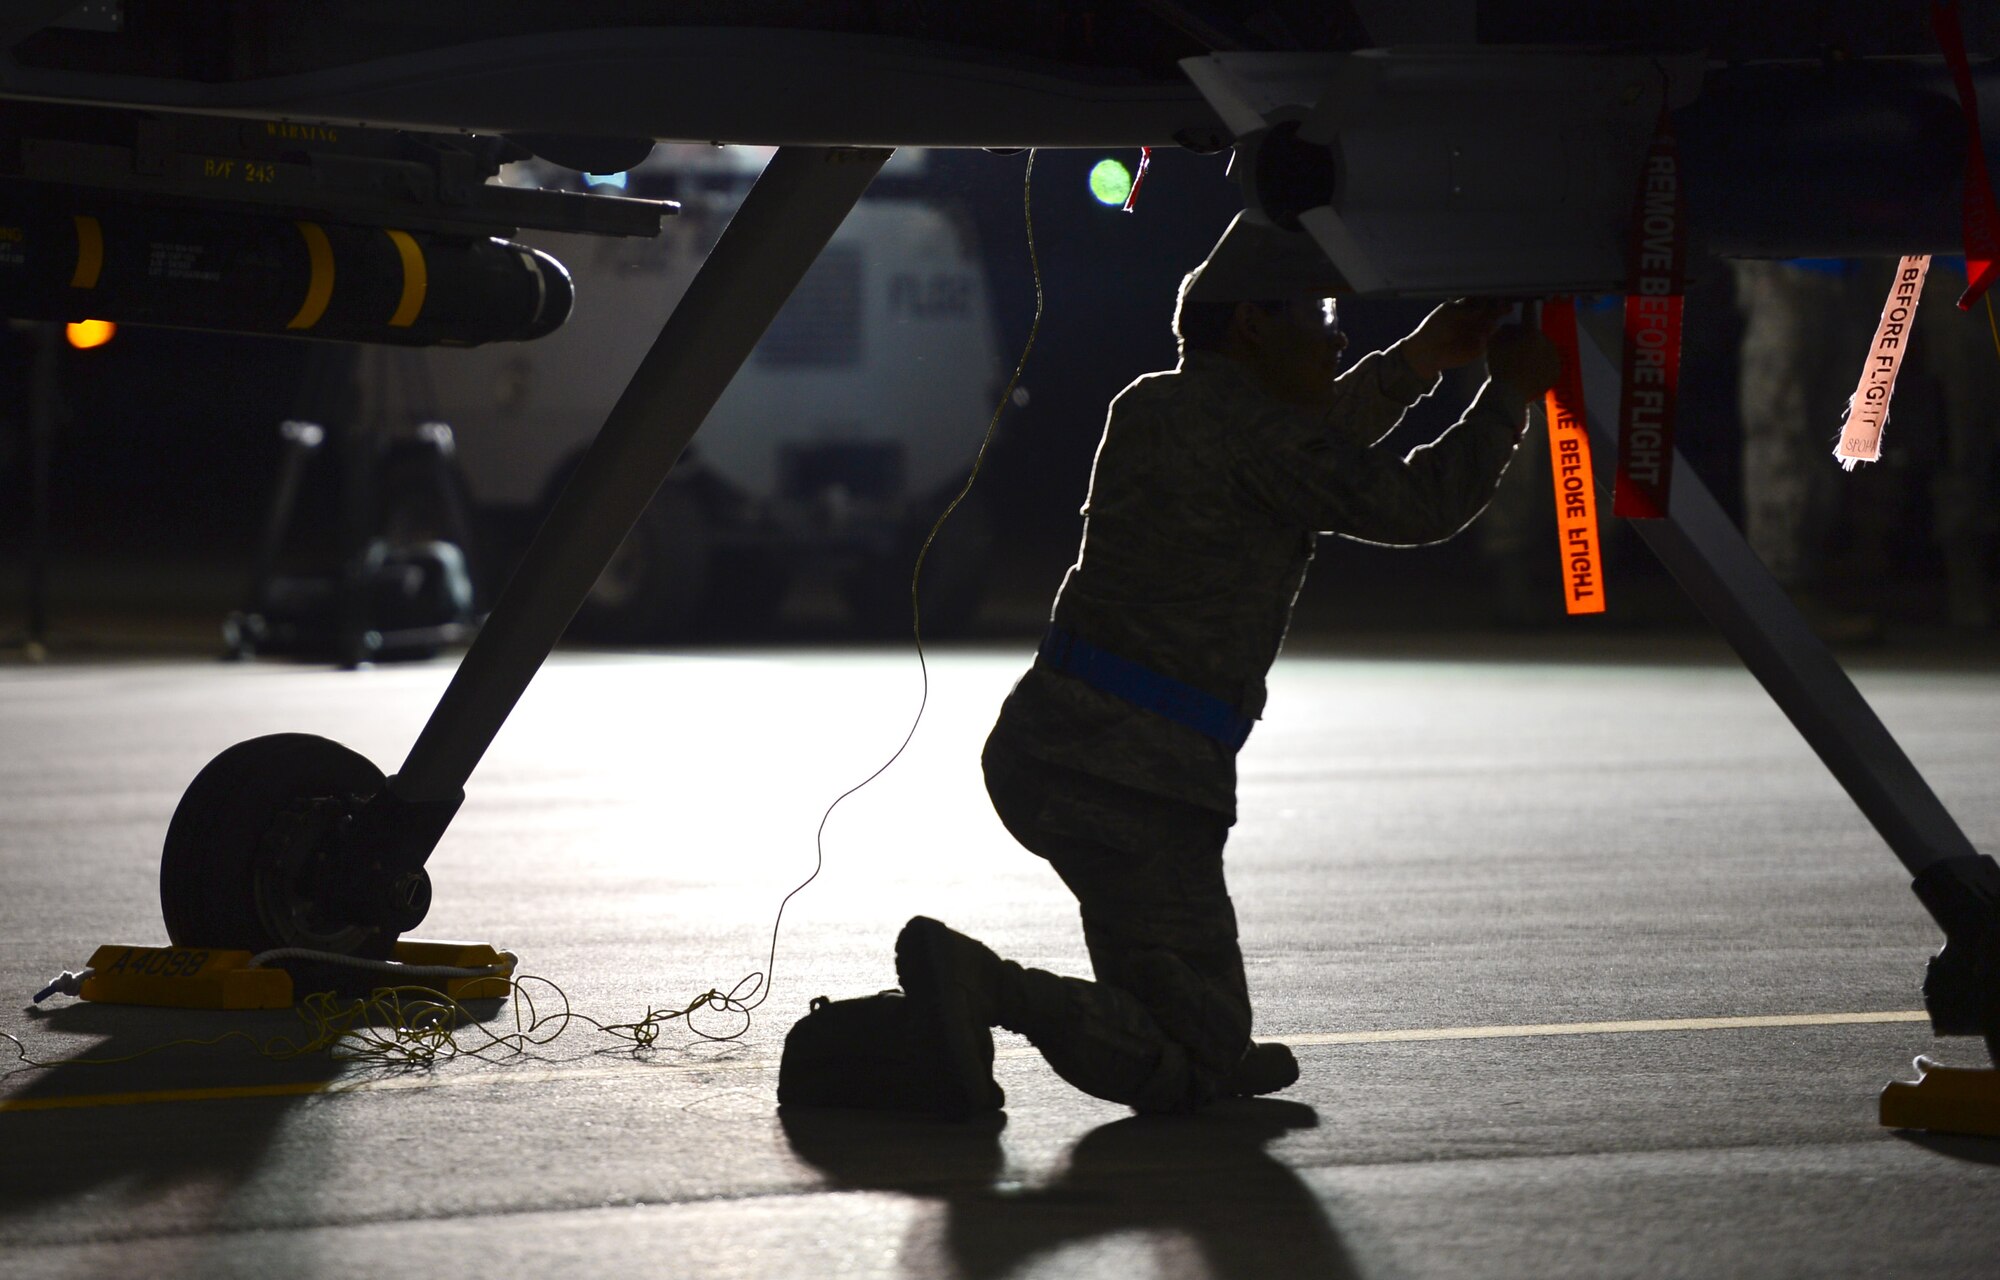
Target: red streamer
column 1132, row 196
column 1651, row 372
column 1977, row 208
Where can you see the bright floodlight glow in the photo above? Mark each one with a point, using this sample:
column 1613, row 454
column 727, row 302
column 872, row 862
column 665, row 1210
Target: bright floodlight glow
column 605, row 180
column 85, row 334
column 1110, row 182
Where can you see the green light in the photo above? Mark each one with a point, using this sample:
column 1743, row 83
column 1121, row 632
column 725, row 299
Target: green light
column 1110, row 182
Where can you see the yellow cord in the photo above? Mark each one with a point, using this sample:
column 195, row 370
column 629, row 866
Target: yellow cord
column 1992, row 326
column 416, row 1026
column 1006, row 394
column 756, row 980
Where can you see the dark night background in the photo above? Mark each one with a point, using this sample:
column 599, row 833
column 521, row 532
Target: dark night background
column 168, row 450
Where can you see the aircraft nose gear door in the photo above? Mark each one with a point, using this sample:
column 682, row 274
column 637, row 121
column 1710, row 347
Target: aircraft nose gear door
column 795, row 207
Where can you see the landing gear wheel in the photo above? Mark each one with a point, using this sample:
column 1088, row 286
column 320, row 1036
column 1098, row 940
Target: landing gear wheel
column 240, row 861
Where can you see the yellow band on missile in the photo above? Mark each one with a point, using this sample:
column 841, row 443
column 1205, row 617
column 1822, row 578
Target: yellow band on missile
column 89, row 252
column 319, row 291
column 416, row 280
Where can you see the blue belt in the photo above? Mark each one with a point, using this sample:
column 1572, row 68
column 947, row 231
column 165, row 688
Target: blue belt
column 1062, row 650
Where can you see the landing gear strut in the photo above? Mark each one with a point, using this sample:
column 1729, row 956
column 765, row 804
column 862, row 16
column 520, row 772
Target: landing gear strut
column 296, row 841
column 1958, row 885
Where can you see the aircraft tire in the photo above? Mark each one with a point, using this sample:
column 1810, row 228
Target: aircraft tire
column 235, row 868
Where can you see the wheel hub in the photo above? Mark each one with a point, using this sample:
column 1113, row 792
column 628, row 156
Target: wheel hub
column 293, row 871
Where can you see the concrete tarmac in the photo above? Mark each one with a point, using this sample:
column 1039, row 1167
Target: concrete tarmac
column 1460, row 867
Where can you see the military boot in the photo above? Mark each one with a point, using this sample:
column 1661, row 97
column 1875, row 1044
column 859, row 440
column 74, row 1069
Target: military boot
column 1266, row 1067
column 1097, row 1037
column 953, row 985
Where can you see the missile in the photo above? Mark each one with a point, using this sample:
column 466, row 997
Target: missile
column 68, row 254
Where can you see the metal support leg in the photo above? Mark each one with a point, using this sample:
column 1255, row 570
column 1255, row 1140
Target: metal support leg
column 1700, row 545
column 793, row 210
column 1959, row 886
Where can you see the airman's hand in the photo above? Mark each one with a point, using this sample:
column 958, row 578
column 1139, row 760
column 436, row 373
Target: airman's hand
column 1454, row 334
column 1524, row 360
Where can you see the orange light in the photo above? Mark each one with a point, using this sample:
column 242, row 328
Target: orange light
column 85, row 334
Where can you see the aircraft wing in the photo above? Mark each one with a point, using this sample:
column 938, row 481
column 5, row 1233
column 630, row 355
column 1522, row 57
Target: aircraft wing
column 1500, row 155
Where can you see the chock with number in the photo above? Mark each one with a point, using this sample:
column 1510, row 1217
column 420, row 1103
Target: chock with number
column 210, row 978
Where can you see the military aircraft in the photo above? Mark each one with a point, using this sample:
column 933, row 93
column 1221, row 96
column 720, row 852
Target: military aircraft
column 319, row 169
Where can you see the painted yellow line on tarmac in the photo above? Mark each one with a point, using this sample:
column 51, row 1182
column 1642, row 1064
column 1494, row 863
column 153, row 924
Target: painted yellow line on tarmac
column 1533, row 1029
column 549, row 1075
column 63, row 1102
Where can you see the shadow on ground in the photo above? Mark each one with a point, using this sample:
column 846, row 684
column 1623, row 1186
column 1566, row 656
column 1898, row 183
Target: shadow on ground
column 1957, row 1146
column 162, row 1106
column 1202, row 1189
column 98, row 1132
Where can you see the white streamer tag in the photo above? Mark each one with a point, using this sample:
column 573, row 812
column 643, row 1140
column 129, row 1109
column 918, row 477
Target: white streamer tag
column 1868, row 411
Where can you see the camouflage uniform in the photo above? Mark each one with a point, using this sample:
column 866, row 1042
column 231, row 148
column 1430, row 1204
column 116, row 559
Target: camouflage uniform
column 1201, row 521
